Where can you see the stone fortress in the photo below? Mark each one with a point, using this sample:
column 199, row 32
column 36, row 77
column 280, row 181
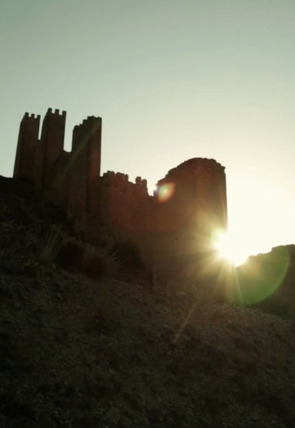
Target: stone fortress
column 172, row 229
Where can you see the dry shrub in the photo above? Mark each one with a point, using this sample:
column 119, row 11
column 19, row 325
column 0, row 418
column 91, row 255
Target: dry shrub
column 49, row 250
column 98, row 261
column 129, row 254
column 70, row 254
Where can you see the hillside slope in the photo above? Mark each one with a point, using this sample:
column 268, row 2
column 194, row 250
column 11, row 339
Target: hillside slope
column 105, row 352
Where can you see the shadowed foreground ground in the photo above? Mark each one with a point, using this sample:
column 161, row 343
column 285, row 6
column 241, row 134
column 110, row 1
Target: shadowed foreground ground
column 101, row 352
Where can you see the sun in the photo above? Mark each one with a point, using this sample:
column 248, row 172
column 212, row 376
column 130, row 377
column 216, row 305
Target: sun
column 230, row 248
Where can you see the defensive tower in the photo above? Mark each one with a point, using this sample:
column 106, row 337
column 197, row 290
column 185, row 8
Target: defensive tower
column 190, row 206
column 84, row 165
column 51, row 147
column 26, row 146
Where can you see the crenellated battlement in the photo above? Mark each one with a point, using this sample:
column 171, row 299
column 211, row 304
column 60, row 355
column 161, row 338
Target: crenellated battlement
column 31, row 116
column 118, row 179
column 90, row 119
column 112, row 178
column 56, row 112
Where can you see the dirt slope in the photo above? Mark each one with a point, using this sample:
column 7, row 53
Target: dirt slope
column 103, row 352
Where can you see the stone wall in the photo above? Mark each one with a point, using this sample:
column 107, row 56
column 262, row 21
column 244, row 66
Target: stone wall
column 172, row 227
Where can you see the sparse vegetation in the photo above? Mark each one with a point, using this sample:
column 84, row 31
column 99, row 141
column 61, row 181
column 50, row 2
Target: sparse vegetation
column 98, row 261
column 109, row 353
column 70, row 254
column 129, row 254
column 51, row 246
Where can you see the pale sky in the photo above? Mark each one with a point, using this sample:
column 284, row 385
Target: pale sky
column 172, row 80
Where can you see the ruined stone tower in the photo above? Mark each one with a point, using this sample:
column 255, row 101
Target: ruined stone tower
column 190, row 205
column 196, row 195
column 170, row 228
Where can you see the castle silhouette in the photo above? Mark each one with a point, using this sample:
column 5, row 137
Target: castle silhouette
column 172, row 228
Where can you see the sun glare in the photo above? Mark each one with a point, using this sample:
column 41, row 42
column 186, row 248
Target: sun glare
column 229, row 248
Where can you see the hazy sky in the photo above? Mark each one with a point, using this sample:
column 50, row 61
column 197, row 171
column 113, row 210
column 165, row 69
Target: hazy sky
column 172, row 80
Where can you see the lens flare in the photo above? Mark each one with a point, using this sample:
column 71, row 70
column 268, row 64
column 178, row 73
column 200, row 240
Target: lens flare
column 228, row 248
column 165, row 191
column 262, row 275
column 248, row 280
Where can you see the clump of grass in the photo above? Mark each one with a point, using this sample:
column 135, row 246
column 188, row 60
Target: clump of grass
column 129, row 254
column 70, row 254
column 97, row 261
column 49, row 250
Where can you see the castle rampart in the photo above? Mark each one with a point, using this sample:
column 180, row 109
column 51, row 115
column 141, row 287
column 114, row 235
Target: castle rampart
column 123, row 204
column 171, row 227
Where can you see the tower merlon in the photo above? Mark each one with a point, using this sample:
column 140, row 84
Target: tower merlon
column 31, row 116
column 56, row 112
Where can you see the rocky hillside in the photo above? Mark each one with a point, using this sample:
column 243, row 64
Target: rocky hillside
column 103, row 348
